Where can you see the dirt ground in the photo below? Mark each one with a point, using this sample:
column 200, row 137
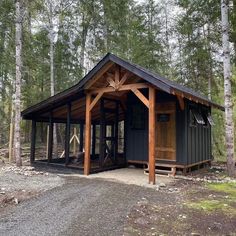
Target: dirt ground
column 196, row 210
column 45, row 201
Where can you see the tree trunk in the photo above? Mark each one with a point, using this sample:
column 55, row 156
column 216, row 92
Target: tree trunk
column 234, row 30
column 19, row 19
column 106, row 27
column 85, row 26
column 11, row 134
column 229, row 125
column 52, row 83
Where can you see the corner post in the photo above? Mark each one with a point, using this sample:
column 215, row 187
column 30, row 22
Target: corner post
column 151, row 136
column 87, row 135
column 33, row 141
column 67, row 138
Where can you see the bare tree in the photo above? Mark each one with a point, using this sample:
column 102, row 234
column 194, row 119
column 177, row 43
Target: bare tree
column 17, row 134
column 229, row 124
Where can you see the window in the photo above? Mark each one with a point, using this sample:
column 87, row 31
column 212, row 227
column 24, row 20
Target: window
column 195, row 118
column 207, row 118
column 210, row 120
column 198, row 117
column 137, row 116
column 204, row 115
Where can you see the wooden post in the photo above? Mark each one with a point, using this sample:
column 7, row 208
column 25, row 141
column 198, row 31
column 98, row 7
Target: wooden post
column 81, row 137
column 50, row 138
column 67, row 138
column 125, row 136
column 74, row 142
column 116, row 130
column 94, row 140
column 113, row 144
column 151, row 139
column 33, row 140
column 47, row 139
column 102, row 134
column 87, row 135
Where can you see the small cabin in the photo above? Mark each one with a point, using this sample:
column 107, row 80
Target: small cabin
column 125, row 114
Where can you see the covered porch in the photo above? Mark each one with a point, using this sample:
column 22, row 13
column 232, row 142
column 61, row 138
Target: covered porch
column 99, row 114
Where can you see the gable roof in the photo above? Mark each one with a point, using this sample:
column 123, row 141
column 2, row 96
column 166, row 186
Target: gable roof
column 153, row 78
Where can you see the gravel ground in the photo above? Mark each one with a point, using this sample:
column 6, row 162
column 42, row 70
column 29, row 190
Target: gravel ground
column 80, row 207
column 11, row 181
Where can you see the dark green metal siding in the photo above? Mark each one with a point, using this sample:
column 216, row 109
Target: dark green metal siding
column 136, row 140
column 193, row 144
column 198, row 138
column 181, row 135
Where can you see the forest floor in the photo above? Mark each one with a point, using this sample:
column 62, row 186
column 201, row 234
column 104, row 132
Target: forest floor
column 44, row 201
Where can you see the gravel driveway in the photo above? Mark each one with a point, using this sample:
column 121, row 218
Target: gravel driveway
column 79, row 207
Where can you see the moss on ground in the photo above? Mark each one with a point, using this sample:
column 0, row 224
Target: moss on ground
column 221, row 203
column 228, row 188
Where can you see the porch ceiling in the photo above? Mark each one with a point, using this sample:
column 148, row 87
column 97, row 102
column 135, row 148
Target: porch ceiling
column 78, row 109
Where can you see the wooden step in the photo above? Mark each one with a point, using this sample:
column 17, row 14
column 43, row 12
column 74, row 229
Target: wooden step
column 170, row 172
column 164, row 165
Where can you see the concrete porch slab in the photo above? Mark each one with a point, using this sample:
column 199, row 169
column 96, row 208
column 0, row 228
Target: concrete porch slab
column 134, row 176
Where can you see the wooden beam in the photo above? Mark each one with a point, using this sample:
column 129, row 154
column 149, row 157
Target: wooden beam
column 81, row 137
column 74, row 106
column 87, row 135
column 141, row 97
column 33, row 141
column 124, row 78
column 151, row 135
column 47, row 141
column 50, row 138
column 95, row 100
column 116, row 131
column 117, row 75
column 121, row 88
column 102, row 133
column 74, row 141
column 67, row 135
column 133, row 86
column 94, row 141
column 67, row 138
column 189, row 97
column 181, row 102
column 111, row 82
column 99, row 74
